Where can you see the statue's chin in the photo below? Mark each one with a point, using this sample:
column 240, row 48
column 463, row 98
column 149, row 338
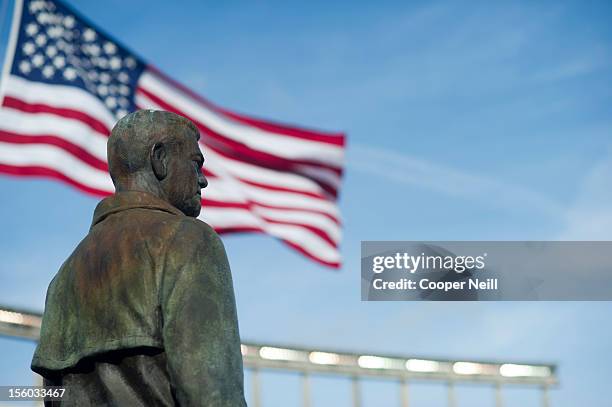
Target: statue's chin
column 192, row 207
column 196, row 212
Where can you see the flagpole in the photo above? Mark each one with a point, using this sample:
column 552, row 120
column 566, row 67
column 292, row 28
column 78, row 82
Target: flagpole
column 10, row 47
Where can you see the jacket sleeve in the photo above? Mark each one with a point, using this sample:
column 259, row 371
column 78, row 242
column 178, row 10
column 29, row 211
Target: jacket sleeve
column 200, row 326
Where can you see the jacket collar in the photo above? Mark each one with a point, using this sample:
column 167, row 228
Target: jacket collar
column 122, row 201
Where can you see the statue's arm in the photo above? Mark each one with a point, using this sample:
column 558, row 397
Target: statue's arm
column 200, row 326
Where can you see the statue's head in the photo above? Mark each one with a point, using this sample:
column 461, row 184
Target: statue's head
column 158, row 152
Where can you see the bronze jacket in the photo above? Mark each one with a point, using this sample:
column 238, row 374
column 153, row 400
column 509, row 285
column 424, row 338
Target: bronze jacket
column 143, row 312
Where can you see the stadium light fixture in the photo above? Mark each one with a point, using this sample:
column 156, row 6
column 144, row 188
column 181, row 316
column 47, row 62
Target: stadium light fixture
column 324, row 358
column 272, row 353
column 467, row 368
column 11, row 317
column 422, row 366
column 512, row 370
column 377, row 362
column 19, row 318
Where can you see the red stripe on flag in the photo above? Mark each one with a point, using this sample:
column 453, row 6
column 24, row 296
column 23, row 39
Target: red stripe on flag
column 336, row 139
column 18, row 104
column 335, row 265
column 75, row 150
column 34, row 171
column 315, row 195
column 249, row 205
column 319, row 232
column 284, row 189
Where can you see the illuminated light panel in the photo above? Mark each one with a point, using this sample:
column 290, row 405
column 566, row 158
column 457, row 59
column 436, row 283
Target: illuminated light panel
column 511, row 370
column 468, row 368
column 11, row 317
column 324, row 358
column 270, row 353
column 423, row 366
column 376, row 362
column 32, row 321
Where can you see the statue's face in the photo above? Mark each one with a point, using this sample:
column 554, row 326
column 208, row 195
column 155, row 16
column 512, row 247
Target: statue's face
column 185, row 178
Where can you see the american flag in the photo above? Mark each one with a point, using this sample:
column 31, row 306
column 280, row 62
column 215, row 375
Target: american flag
column 64, row 85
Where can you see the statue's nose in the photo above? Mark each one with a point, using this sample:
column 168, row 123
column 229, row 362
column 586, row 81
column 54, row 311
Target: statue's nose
column 202, row 181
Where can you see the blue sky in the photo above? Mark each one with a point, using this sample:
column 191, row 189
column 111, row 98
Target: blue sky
column 466, row 121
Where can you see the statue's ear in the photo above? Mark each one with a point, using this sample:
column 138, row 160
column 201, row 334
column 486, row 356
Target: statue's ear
column 159, row 161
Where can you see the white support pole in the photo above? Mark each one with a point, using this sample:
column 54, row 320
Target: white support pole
column 305, row 390
column 256, row 388
column 499, row 401
column 452, row 400
column 356, row 392
column 404, row 393
column 545, row 400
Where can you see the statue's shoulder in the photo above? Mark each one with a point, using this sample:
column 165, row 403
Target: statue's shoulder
column 195, row 233
column 195, row 227
column 195, row 249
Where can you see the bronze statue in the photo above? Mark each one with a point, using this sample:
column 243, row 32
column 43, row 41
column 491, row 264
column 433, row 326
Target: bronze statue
column 142, row 313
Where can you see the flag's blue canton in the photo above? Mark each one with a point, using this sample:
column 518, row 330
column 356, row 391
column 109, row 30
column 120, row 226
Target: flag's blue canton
column 56, row 46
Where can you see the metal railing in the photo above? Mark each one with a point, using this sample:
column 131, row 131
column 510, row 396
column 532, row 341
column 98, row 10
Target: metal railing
column 356, row 366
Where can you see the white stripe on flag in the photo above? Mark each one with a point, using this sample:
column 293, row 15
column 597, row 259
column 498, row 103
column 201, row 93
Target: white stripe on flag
column 42, row 124
column 59, row 96
column 45, row 155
